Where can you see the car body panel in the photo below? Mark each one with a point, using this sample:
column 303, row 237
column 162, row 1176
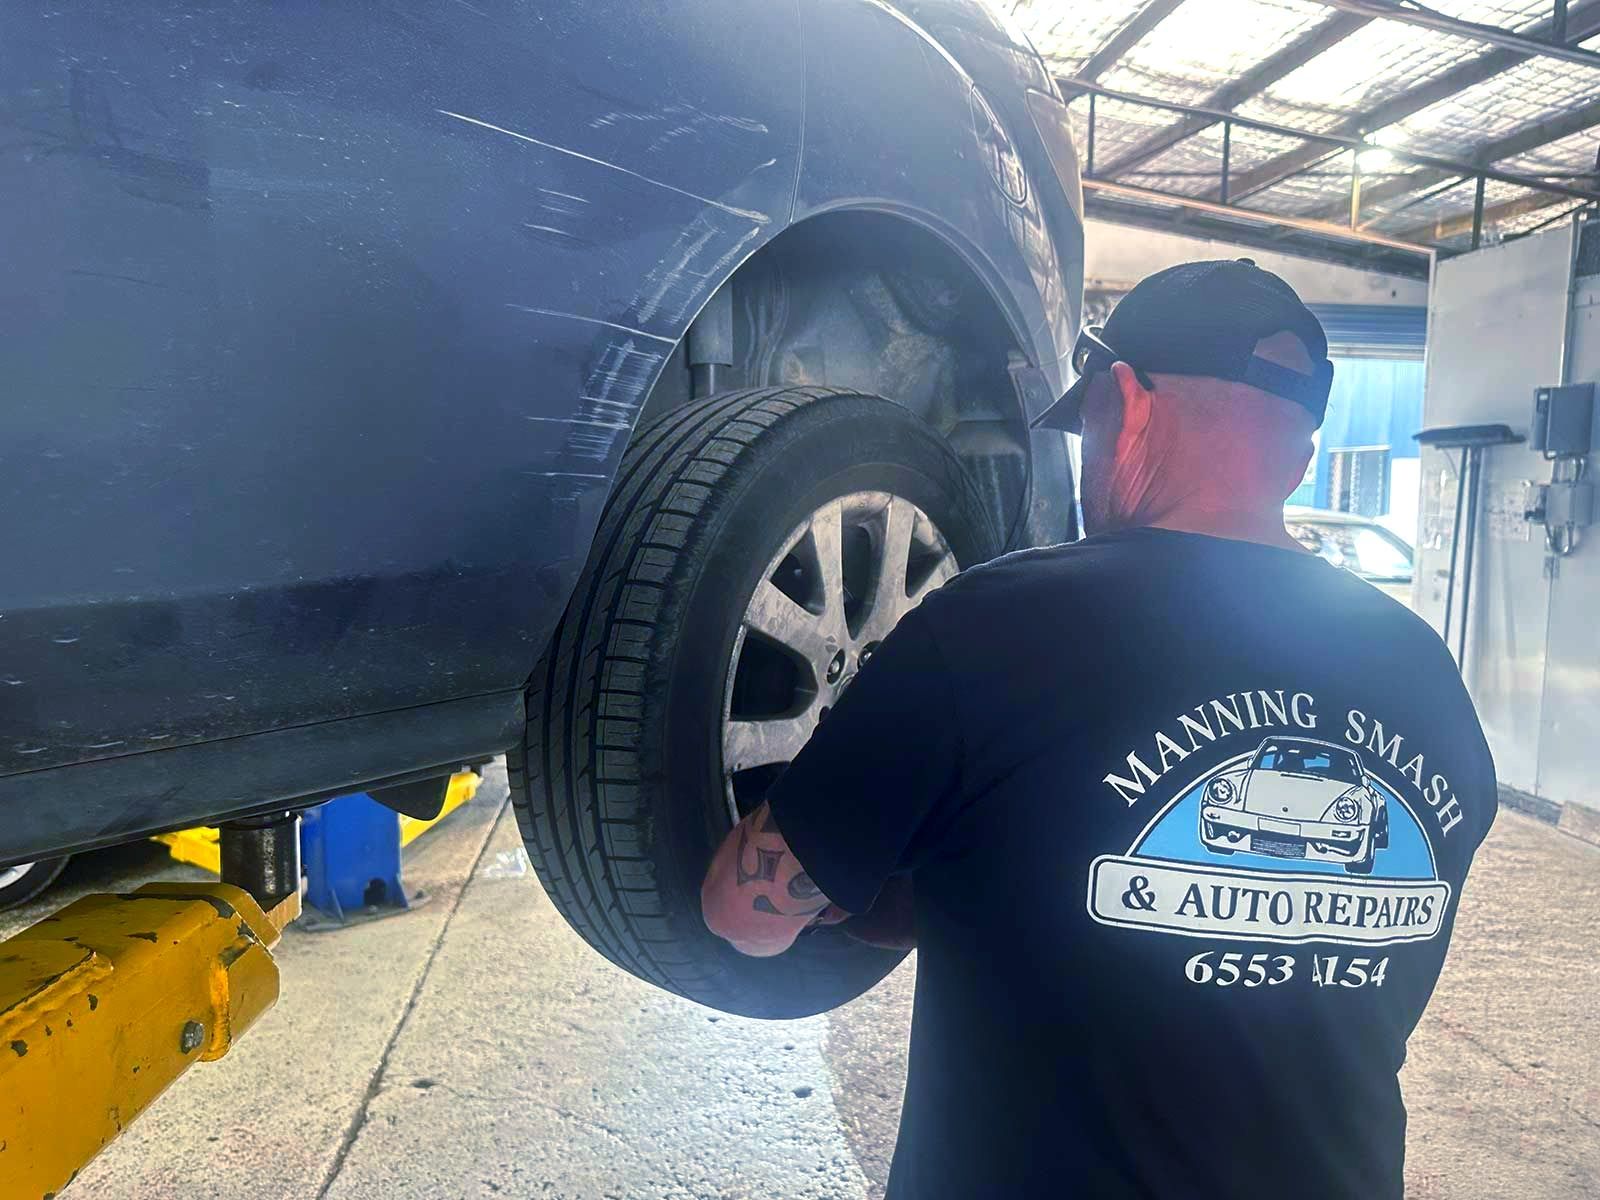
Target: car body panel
column 319, row 303
column 326, row 330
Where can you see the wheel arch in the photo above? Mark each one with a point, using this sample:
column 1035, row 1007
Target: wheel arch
column 886, row 299
column 958, row 255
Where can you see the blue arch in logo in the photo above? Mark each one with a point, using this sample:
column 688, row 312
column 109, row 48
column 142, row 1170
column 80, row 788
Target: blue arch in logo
column 1175, row 835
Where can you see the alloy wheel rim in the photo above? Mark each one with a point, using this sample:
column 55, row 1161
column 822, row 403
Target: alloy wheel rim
column 11, row 875
column 839, row 582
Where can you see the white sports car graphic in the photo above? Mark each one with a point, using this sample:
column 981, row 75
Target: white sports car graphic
column 1297, row 798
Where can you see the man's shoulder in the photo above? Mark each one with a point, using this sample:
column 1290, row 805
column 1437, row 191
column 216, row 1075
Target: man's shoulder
column 1039, row 568
column 1380, row 619
column 1003, row 580
column 1041, row 563
column 1006, row 598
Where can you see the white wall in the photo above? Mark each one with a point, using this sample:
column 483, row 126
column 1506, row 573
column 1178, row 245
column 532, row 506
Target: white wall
column 1118, row 256
column 1496, row 327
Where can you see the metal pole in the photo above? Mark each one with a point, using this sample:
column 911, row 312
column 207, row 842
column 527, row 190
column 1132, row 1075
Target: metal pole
column 1227, row 149
column 1477, row 215
column 1529, row 42
column 1558, row 27
column 1466, row 561
column 1355, row 189
column 1455, row 545
column 1089, row 165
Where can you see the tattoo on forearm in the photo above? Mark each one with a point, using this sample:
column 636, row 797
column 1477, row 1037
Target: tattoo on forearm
column 766, row 868
column 801, row 888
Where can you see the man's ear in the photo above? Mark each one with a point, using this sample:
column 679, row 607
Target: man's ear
column 1136, row 404
column 1302, row 461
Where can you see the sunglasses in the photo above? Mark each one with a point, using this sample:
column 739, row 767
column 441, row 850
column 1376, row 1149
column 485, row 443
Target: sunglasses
column 1091, row 355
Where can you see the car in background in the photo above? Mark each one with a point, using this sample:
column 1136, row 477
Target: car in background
column 1358, row 544
column 1297, row 798
column 389, row 387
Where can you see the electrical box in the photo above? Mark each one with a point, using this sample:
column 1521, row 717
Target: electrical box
column 1567, row 503
column 1563, row 420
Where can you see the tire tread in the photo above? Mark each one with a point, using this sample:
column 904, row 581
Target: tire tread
column 577, row 783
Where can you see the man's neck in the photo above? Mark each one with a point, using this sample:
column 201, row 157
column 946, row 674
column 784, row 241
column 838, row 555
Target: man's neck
column 1241, row 525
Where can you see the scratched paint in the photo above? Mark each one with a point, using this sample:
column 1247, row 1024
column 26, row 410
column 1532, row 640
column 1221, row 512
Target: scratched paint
column 750, row 214
column 673, row 112
column 687, row 273
column 566, row 316
column 614, row 390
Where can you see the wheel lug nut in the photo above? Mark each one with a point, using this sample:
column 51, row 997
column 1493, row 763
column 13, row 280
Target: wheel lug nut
column 835, row 668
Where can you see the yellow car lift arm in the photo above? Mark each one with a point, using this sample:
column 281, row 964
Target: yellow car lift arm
column 106, row 1003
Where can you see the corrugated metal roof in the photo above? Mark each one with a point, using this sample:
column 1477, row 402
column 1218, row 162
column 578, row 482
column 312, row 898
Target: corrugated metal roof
column 1391, row 83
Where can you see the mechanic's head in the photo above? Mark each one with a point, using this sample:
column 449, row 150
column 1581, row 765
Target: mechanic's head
column 1200, row 395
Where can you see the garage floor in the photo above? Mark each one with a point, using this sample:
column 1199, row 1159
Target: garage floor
column 476, row 1047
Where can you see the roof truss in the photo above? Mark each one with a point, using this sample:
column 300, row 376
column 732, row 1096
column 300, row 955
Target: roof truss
column 1555, row 40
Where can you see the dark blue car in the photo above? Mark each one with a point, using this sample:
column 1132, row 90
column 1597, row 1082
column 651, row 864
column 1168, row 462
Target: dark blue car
column 392, row 385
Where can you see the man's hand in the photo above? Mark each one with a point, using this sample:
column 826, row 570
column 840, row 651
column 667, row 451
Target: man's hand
column 756, row 895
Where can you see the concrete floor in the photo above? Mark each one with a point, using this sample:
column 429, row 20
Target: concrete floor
column 475, row 1047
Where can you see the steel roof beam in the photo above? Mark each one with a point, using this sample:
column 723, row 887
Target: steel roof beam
column 1343, row 143
column 1126, row 38
column 1266, row 237
column 1544, row 43
column 1253, row 82
column 1449, row 227
column 1326, row 229
column 1582, row 22
column 1519, row 141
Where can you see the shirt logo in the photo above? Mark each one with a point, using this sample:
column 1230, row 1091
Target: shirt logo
column 1296, row 840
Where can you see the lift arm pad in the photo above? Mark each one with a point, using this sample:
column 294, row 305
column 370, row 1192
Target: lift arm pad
column 106, row 1003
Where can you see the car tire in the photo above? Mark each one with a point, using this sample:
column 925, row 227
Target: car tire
column 1364, row 867
column 619, row 785
column 24, row 881
column 1380, row 838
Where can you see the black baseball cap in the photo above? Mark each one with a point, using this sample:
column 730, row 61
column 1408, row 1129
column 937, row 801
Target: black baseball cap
column 1202, row 318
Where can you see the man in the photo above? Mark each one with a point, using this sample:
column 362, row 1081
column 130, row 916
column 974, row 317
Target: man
column 1186, row 811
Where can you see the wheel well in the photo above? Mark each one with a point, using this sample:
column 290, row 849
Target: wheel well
column 875, row 303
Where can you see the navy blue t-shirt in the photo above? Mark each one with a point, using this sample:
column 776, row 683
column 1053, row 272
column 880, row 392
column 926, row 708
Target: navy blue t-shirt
column 1187, row 821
